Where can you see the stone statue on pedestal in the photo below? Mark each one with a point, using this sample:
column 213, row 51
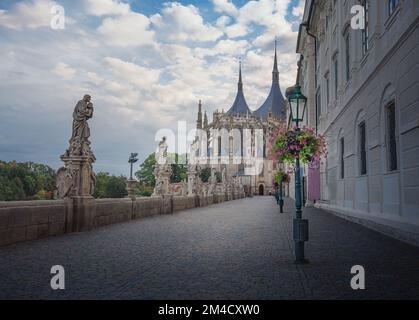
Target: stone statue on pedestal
column 77, row 178
column 162, row 170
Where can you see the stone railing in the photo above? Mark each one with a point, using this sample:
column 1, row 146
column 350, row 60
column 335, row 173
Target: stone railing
column 30, row 220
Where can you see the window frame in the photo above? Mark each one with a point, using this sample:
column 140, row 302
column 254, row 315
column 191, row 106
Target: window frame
column 362, row 148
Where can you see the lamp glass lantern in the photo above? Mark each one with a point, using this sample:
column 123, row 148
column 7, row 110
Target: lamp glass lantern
column 297, row 102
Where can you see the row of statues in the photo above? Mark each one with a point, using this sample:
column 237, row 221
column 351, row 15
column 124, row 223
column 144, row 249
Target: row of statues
column 77, row 179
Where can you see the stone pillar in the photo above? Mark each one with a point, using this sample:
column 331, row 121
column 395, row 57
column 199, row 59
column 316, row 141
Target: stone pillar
column 131, row 183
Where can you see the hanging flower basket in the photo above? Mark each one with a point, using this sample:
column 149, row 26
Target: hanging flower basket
column 310, row 147
column 282, row 176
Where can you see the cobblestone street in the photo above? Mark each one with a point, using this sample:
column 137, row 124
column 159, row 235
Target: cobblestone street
column 234, row 250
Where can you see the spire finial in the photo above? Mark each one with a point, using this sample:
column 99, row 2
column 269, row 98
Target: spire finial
column 275, row 58
column 240, row 70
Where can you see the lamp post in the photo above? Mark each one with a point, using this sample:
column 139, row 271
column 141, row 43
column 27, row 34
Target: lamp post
column 281, row 200
column 131, row 182
column 297, row 102
column 132, row 159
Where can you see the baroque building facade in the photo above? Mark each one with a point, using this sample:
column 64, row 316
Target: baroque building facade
column 363, row 95
column 236, row 142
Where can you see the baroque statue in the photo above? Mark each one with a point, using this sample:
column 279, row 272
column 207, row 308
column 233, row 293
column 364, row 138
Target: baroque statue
column 76, row 177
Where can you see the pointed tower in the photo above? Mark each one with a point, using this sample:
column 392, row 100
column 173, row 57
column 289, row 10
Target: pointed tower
column 199, row 119
column 274, row 104
column 205, row 120
column 240, row 105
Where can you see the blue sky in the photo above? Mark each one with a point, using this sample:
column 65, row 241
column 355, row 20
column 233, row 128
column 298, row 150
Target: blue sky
column 145, row 63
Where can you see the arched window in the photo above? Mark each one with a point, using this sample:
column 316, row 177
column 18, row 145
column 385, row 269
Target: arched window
column 389, row 131
column 361, row 143
column 390, row 111
column 341, row 155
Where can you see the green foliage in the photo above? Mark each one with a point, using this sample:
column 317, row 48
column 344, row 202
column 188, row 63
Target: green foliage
column 110, row 186
column 282, row 176
column 26, row 181
column 205, row 174
column 145, row 175
column 179, row 170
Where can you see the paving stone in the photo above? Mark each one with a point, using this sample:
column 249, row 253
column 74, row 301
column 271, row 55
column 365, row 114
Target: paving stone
column 240, row 249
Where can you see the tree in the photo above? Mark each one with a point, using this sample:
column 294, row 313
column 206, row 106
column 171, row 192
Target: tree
column 110, row 186
column 26, row 181
column 205, row 174
column 146, row 173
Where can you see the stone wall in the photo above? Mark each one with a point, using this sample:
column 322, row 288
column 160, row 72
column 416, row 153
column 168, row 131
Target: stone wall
column 30, row 220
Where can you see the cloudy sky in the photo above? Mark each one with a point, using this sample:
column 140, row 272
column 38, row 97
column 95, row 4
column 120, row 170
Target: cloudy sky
column 145, row 63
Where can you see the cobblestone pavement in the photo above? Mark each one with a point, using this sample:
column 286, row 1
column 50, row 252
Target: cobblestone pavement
column 234, row 250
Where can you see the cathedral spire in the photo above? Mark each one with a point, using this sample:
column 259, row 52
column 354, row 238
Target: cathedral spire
column 275, row 73
column 274, row 104
column 199, row 120
column 205, row 120
column 240, row 84
column 240, row 105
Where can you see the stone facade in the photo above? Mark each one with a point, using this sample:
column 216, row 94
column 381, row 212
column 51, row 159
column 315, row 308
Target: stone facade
column 226, row 147
column 366, row 87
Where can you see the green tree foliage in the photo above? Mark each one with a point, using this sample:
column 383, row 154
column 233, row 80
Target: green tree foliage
column 205, row 174
column 145, row 175
column 110, row 186
column 26, row 181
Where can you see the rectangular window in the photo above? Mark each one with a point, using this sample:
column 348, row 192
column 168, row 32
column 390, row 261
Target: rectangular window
column 392, row 142
column 362, row 149
column 319, row 104
column 347, row 56
column 327, row 89
column 342, row 158
column 365, row 44
column 335, row 63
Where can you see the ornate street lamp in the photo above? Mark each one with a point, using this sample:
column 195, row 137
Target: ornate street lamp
column 297, row 103
column 132, row 159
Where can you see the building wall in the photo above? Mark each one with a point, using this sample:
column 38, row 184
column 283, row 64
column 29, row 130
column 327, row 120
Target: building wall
column 387, row 72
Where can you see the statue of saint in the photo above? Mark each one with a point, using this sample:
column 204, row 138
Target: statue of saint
column 79, row 141
column 161, row 156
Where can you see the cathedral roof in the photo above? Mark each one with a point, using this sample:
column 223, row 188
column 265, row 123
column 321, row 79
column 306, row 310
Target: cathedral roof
column 275, row 101
column 240, row 104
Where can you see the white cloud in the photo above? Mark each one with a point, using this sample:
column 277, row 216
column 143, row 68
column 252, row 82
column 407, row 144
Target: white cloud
column 137, row 75
column 31, row 14
column 64, row 71
column 222, row 22
column 267, row 13
column 298, row 11
column 137, row 90
column 106, row 7
column 132, row 29
column 226, row 47
column 225, row 6
column 183, row 23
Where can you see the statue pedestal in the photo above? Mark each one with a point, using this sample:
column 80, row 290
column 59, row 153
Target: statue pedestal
column 76, row 178
column 131, row 183
column 75, row 182
column 162, row 174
